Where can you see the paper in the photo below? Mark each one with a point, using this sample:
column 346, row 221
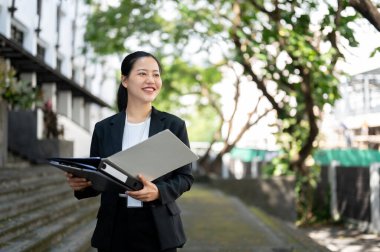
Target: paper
column 155, row 156
column 131, row 202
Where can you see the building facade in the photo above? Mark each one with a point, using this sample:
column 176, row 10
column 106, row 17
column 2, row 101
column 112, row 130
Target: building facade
column 355, row 120
column 43, row 42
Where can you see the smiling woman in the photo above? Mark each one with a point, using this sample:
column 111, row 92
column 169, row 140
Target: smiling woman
column 142, row 84
column 148, row 219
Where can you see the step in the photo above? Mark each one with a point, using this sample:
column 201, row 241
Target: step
column 18, row 179
column 16, row 226
column 26, row 190
column 38, row 212
column 49, row 235
column 19, row 187
column 27, row 204
column 77, row 241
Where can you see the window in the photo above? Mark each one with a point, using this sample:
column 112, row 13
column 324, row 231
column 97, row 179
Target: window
column 59, row 64
column 17, row 35
column 41, row 51
column 73, row 74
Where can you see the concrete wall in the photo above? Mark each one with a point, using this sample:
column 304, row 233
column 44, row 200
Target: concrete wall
column 275, row 196
column 78, row 135
column 22, row 139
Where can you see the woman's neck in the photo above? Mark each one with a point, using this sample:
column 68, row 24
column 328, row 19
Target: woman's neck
column 137, row 114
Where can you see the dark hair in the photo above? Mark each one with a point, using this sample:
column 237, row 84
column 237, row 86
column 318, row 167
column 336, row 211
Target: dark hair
column 126, row 67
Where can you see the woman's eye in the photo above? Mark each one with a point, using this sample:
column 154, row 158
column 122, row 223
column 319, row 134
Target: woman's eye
column 157, row 75
column 142, row 74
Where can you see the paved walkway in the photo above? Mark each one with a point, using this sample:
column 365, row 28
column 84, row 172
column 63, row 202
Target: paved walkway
column 217, row 222
column 345, row 239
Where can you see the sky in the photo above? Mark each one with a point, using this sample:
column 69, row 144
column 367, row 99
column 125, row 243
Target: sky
column 358, row 59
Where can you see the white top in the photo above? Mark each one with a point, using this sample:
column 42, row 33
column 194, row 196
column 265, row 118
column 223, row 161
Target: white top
column 134, row 133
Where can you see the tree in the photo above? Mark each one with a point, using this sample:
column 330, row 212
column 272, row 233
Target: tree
column 288, row 49
column 125, row 24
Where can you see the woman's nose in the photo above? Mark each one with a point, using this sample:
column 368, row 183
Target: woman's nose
column 150, row 78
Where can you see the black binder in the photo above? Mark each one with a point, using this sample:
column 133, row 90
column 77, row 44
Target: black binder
column 93, row 170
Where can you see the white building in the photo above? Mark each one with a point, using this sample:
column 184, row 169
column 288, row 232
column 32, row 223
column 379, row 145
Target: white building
column 355, row 120
column 43, row 42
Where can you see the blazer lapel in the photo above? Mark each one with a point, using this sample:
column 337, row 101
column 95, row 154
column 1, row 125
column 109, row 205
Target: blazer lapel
column 156, row 122
column 117, row 130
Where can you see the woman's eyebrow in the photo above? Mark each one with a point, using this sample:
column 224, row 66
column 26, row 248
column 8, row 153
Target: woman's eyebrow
column 143, row 69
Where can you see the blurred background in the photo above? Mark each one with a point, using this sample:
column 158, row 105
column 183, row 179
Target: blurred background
column 281, row 101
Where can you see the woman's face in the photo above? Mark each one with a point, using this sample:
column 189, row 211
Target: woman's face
column 144, row 81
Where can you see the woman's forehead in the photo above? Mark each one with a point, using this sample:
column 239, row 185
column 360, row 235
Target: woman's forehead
column 146, row 63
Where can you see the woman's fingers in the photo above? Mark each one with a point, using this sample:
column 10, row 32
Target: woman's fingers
column 77, row 183
column 148, row 193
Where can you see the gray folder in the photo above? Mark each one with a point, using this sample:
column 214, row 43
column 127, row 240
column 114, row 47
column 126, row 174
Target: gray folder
column 154, row 157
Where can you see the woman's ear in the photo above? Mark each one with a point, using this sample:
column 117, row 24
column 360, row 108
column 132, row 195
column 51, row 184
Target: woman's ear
column 124, row 81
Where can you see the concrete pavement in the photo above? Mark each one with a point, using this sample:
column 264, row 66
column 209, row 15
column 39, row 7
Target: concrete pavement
column 215, row 221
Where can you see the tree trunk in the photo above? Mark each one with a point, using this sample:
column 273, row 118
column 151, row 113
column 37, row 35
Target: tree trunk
column 215, row 166
column 3, row 133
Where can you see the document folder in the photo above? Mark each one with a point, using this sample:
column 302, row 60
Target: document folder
column 152, row 158
column 91, row 169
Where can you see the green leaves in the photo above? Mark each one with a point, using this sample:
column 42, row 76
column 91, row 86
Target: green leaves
column 108, row 30
column 278, row 44
column 376, row 50
column 16, row 93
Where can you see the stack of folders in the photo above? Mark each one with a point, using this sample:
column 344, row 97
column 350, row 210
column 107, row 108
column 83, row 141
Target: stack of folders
column 152, row 158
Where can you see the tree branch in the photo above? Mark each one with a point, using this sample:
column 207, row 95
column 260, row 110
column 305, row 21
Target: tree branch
column 247, row 65
column 236, row 99
column 260, row 8
column 368, row 10
column 313, row 130
column 332, row 37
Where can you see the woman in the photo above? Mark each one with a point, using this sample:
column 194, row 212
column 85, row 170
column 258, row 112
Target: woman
column 148, row 219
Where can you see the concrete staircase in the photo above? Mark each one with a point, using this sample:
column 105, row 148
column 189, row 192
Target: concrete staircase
column 38, row 211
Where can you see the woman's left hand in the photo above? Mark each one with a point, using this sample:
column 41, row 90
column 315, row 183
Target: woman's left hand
column 148, row 193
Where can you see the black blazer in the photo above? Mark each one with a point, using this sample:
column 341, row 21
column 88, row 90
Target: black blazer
column 107, row 140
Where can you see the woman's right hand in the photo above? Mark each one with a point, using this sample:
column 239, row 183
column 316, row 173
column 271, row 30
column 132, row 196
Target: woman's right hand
column 76, row 183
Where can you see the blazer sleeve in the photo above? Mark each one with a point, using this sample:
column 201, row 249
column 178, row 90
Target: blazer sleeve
column 94, row 152
column 171, row 186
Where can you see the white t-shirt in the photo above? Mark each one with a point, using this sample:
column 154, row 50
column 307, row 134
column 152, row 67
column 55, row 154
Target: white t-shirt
column 134, row 133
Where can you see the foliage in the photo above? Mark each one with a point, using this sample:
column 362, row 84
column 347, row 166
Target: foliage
column 202, row 124
column 16, row 93
column 134, row 25
column 376, row 50
column 288, row 49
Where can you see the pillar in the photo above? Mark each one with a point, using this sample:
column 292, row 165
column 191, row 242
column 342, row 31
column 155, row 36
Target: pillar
column 226, row 163
column 64, row 103
column 333, row 190
column 375, row 197
column 3, row 133
column 366, row 95
column 255, row 167
column 78, row 110
column 49, row 91
column 87, row 116
column 5, row 19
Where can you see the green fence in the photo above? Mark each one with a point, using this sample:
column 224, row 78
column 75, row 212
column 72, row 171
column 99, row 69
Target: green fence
column 345, row 157
column 348, row 157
